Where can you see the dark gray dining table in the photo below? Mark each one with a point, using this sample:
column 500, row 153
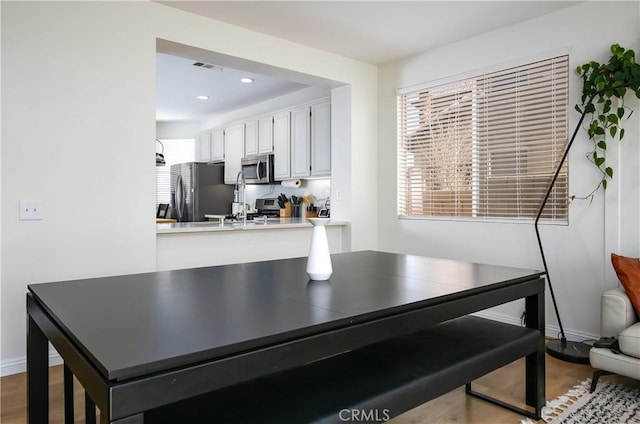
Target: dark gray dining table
column 138, row 342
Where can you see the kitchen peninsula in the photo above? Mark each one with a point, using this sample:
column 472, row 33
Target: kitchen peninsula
column 198, row 244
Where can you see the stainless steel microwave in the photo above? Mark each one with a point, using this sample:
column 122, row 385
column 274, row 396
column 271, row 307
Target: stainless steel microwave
column 258, row 169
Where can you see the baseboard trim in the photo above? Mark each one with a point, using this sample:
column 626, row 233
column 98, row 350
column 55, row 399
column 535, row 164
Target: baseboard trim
column 550, row 331
column 18, row 365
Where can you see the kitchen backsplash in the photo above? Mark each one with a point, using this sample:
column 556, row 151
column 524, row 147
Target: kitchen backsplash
column 319, row 188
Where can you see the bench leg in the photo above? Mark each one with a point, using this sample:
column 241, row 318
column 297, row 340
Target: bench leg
column 468, row 390
column 535, row 381
column 534, row 364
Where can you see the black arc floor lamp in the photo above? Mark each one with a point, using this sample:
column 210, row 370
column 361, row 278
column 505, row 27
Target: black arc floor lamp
column 569, row 351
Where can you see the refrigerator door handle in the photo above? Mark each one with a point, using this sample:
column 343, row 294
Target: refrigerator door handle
column 180, row 197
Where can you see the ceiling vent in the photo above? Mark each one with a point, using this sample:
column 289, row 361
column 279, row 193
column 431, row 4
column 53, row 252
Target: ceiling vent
column 207, row 66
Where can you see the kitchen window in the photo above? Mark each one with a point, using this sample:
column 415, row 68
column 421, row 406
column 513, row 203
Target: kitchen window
column 175, row 151
column 485, row 146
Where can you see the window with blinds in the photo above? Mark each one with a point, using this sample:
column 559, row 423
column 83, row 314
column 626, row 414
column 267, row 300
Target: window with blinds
column 175, row 151
column 485, row 146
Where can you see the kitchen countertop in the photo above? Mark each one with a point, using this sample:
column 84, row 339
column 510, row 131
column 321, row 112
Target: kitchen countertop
column 272, row 224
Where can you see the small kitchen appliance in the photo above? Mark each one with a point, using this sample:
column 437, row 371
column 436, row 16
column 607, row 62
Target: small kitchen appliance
column 258, row 169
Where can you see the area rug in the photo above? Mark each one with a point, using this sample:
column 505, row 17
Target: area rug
column 608, row 404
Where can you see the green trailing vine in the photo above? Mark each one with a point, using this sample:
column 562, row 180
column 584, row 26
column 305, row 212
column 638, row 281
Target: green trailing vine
column 604, row 87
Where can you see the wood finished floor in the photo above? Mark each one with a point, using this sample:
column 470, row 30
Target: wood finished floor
column 454, row 407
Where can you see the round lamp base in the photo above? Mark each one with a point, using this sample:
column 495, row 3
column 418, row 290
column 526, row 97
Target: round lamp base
column 576, row 352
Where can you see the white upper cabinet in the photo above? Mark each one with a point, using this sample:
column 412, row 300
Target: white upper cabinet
column 251, row 138
column 234, row 151
column 265, row 135
column 203, row 147
column 281, row 146
column 210, row 146
column 321, row 140
column 217, row 145
column 300, row 143
column 299, row 139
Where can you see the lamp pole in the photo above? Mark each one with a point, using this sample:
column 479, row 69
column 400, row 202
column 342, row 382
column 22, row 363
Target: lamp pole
column 570, row 351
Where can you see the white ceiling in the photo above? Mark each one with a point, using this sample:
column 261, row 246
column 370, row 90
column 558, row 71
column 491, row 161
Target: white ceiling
column 179, row 82
column 376, row 32
column 372, row 31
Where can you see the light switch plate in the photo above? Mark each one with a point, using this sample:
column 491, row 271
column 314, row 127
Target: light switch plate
column 31, row 210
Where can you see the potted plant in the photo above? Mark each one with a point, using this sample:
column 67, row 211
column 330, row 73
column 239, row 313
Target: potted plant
column 604, row 87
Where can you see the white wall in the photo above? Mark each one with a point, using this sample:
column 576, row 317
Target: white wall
column 177, row 129
column 341, row 172
column 577, row 254
column 79, row 133
column 78, row 97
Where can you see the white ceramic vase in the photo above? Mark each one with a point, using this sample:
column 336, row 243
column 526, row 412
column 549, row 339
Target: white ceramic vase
column 319, row 262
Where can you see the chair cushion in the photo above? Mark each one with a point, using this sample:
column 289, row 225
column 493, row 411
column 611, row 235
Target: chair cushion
column 629, row 341
column 605, row 359
column 628, row 271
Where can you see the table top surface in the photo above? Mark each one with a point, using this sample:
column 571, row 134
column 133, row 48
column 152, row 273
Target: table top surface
column 139, row 324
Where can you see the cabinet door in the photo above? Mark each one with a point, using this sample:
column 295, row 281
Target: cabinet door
column 203, row 147
column 321, row 140
column 217, row 145
column 234, row 151
column 281, row 137
column 265, row 135
column 251, row 138
column 300, row 143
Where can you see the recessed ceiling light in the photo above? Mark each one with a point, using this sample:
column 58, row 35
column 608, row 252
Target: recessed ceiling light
column 203, row 97
column 246, row 80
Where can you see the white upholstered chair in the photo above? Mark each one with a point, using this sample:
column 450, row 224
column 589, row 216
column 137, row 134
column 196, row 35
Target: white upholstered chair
column 617, row 319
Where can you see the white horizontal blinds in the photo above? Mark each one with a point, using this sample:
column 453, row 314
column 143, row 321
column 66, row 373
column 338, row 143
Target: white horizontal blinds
column 175, row 151
column 522, row 132
column 436, row 151
column 485, row 146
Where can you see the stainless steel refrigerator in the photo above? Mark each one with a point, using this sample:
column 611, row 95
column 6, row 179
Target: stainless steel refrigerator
column 198, row 189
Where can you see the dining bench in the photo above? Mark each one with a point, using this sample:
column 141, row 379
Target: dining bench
column 371, row 384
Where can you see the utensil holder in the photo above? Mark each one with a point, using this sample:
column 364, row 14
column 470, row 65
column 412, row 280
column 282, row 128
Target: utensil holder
column 286, row 211
column 312, row 212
